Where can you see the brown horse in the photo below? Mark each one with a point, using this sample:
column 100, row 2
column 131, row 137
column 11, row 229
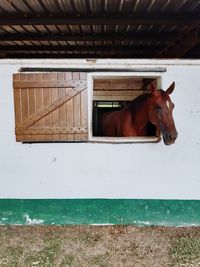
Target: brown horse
column 155, row 107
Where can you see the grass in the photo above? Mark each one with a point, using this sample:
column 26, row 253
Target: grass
column 185, row 250
column 68, row 261
column 101, row 260
column 10, row 256
column 87, row 246
column 46, row 256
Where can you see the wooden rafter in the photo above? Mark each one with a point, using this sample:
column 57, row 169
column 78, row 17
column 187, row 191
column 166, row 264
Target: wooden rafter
column 69, row 48
column 181, row 46
column 89, row 37
column 111, row 20
column 28, row 55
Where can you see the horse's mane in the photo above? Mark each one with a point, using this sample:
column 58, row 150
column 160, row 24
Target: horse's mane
column 136, row 103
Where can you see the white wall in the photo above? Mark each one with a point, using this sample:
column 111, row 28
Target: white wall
column 86, row 170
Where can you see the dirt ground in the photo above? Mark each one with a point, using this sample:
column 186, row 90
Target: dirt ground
column 102, row 246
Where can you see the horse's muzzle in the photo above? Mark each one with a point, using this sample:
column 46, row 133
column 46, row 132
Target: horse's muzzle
column 170, row 138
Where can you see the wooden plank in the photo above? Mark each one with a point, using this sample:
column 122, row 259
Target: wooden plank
column 49, row 83
column 51, row 131
column 39, row 106
column 47, row 101
column 115, row 95
column 113, row 98
column 116, row 84
column 77, row 114
column 128, row 36
column 84, row 113
column 150, row 19
column 70, row 118
column 69, row 111
column 77, row 109
column 54, row 98
column 62, row 109
column 30, row 100
column 83, row 76
column 18, row 108
column 24, row 100
column 181, row 46
column 10, row 49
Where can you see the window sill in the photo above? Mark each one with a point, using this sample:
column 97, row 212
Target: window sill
column 120, row 140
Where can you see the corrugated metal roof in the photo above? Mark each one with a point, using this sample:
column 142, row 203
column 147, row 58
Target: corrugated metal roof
column 99, row 28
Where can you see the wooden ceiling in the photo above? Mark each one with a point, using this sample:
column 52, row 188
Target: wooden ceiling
column 99, row 29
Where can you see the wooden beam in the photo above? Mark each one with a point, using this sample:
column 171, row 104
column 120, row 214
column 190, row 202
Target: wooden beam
column 80, row 55
column 89, row 37
column 54, row 130
column 49, row 84
column 69, row 48
column 116, row 95
column 181, row 46
column 98, row 20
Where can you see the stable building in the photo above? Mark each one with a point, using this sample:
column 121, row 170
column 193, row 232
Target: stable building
column 64, row 64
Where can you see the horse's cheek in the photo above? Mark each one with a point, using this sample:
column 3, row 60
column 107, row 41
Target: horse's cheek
column 153, row 118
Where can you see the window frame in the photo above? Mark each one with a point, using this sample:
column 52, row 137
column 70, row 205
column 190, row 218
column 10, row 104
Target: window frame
column 90, row 89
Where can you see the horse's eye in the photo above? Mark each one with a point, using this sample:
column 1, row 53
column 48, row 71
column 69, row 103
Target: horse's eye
column 159, row 108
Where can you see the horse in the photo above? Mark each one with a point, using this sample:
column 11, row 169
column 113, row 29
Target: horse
column 155, row 107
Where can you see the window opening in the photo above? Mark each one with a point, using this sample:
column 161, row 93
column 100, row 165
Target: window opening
column 113, row 93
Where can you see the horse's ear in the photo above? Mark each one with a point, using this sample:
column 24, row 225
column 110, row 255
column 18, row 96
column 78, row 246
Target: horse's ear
column 152, row 88
column 171, row 88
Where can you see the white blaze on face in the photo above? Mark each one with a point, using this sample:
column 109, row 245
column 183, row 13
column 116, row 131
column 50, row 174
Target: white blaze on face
column 168, row 104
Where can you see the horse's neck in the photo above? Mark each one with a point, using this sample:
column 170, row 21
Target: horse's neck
column 140, row 116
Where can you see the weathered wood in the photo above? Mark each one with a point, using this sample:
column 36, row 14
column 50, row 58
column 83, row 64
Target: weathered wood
column 82, row 48
column 77, row 114
column 118, row 84
column 117, row 95
column 117, row 92
column 40, row 103
column 54, row 112
column 77, row 108
column 47, row 101
column 84, row 113
column 41, row 113
column 165, row 37
column 17, row 105
column 48, row 83
column 70, row 113
column 179, row 48
column 114, row 98
column 50, row 130
column 70, row 117
column 62, row 109
column 51, row 113
column 97, row 20
column 117, row 89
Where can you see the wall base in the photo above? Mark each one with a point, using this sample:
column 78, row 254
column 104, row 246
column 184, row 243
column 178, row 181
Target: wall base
column 100, row 212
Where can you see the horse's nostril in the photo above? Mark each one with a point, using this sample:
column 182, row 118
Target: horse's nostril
column 172, row 137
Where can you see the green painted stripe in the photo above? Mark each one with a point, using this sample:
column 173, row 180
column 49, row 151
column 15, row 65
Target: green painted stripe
column 100, row 211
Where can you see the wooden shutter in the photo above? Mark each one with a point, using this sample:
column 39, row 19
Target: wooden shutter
column 50, row 106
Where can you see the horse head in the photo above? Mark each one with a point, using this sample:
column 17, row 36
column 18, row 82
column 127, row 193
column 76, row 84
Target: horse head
column 160, row 113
